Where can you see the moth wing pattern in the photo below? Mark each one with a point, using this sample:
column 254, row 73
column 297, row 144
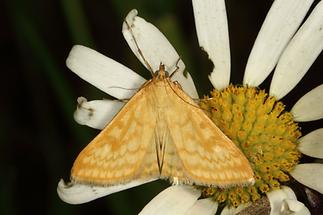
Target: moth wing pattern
column 124, row 150
column 204, row 155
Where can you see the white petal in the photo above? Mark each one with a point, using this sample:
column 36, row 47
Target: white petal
column 232, row 210
column 151, row 47
column 299, row 55
column 103, row 72
column 291, row 206
column 309, row 107
column 212, row 32
column 276, row 199
column 203, row 206
column 173, row 200
column 73, row 193
column 282, row 21
column 97, row 113
column 312, row 144
column 310, row 175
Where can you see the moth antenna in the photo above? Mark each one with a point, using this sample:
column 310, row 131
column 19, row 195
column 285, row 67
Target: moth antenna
column 123, row 100
column 123, row 88
column 139, row 50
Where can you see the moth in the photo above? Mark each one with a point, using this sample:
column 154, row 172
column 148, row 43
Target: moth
column 162, row 133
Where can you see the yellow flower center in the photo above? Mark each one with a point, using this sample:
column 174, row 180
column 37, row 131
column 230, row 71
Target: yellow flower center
column 265, row 133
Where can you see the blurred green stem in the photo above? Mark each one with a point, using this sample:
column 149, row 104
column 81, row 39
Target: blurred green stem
column 77, row 23
column 28, row 35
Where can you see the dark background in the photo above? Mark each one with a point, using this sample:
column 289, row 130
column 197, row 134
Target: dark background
column 39, row 139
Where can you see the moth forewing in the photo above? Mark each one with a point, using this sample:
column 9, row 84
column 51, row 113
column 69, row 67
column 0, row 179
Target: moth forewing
column 161, row 132
column 208, row 156
column 124, row 149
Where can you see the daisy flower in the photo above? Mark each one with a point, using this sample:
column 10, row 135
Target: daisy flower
column 254, row 120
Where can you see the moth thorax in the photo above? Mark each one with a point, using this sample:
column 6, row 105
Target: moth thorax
column 160, row 93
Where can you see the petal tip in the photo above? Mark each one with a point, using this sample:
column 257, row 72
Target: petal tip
column 74, row 49
column 80, row 100
column 131, row 17
column 63, row 190
column 81, row 114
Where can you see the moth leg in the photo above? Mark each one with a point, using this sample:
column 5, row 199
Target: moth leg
column 176, row 68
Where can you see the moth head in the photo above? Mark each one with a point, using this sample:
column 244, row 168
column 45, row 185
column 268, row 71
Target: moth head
column 161, row 73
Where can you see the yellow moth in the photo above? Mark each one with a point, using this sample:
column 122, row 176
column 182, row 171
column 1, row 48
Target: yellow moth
column 161, row 132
